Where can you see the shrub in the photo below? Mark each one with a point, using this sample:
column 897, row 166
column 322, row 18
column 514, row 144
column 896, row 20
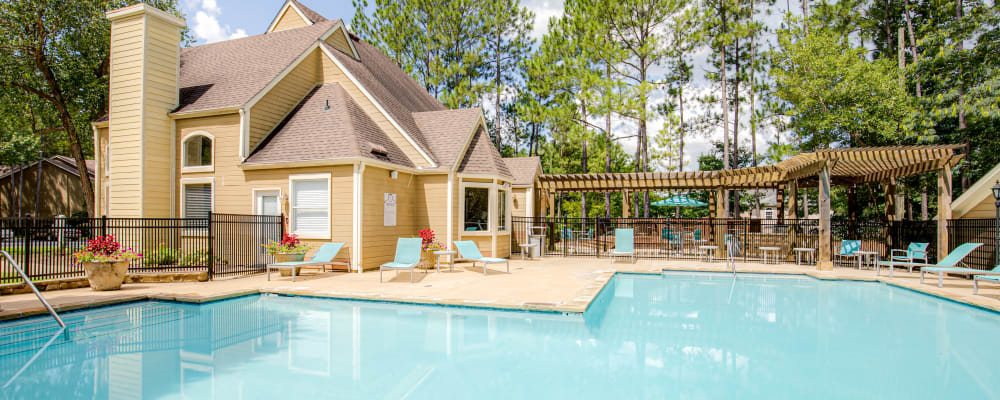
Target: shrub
column 163, row 255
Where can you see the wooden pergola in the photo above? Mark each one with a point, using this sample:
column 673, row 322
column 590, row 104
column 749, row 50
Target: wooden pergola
column 822, row 168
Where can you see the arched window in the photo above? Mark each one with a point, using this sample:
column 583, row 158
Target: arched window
column 197, row 152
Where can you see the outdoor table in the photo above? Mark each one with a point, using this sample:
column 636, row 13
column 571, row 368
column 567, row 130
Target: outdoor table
column 810, row 255
column 451, row 259
column 865, row 256
column 708, row 251
column 524, row 249
column 766, row 250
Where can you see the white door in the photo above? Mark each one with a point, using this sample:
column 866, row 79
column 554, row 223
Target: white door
column 267, row 203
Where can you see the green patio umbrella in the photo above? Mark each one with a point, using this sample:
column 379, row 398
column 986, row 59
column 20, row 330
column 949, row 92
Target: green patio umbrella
column 679, row 200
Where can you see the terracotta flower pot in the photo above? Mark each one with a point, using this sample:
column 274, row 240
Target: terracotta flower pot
column 289, row 257
column 106, row 275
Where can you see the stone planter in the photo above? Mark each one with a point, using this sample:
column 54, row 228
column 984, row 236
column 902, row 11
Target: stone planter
column 289, row 257
column 429, row 259
column 105, row 275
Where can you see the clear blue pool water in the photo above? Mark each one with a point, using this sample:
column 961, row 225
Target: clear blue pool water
column 676, row 336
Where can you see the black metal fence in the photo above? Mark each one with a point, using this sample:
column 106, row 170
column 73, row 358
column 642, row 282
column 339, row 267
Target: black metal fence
column 221, row 244
column 975, row 231
column 669, row 238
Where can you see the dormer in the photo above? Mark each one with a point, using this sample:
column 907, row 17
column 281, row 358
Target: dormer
column 294, row 15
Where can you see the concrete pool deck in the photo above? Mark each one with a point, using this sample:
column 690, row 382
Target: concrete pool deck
column 554, row 284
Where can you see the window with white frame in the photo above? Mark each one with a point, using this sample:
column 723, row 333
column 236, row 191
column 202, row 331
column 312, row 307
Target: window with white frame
column 310, row 206
column 197, row 203
column 501, row 210
column 768, row 213
column 197, row 150
column 477, row 209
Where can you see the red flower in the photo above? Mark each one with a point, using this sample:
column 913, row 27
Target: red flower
column 426, row 236
column 103, row 245
column 290, row 240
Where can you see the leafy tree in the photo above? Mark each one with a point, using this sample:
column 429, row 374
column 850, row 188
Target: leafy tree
column 54, row 59
column 836, row 97
column 506, row 44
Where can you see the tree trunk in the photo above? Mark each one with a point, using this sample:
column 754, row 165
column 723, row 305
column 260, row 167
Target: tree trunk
column 736, row 126
column 753, row 109
column 923, row 205
column 805, row 15
column 496, row 101
column 608, row 146
column 913, row 47
column 725, row 113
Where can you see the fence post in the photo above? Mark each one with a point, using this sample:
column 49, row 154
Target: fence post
column 104, row 225
column 211, row 249
column 28, row 232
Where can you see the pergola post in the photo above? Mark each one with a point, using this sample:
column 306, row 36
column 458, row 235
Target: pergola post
column 720, row 200
column 944, row 210
column 890, row 200
column 823, row 261
column 793, row 199
column 720, row 223
column 779, row 194
column 626, row 204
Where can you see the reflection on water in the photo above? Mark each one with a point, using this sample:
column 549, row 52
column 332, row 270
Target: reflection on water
column 676, row 336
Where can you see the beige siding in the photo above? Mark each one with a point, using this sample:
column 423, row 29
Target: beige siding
column 339, row 40
column 282, row 98
column 234, row 186
column 100, row 173
column 160, row 87
column 331, row 73
column 485, row 244
column 503, row 246
column 519, row 202
column 432, row 204
column 379, row 241
column 985, row 209
column 125, row 115
column 288, row 20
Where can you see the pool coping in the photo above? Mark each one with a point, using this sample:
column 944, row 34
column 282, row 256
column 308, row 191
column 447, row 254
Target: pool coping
column 579, row 304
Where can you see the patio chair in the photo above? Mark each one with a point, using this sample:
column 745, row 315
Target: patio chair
column 470, row 252
column 981, row 277
column 323, row 257
column 407, row 257
column 848, row 249
column 915, row 251
column 624, row 244
column 945, row 266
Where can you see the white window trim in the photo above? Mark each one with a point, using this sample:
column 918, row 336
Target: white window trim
column 200, row 168
column 196, row 181
column 253, row 194
column 507, row 209
column 492, row 218
column 329, row 201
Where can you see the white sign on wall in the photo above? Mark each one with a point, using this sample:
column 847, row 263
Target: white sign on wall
column 389, row 209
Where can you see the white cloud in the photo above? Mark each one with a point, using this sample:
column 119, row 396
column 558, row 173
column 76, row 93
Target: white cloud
column 544, row 10
column 206, row 23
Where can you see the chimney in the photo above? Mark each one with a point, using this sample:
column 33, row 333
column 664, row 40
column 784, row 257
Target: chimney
column 145, row 60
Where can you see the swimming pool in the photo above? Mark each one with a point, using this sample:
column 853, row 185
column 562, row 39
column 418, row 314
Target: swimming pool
column 690, row 336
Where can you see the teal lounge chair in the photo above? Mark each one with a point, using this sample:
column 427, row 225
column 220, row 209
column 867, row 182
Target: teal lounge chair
column 916, row 251
column 407, row 257
column 848, row 249
column 945, row 266
column 470, row 252
column 981, row 277
column 323, row 257
column 624, row 244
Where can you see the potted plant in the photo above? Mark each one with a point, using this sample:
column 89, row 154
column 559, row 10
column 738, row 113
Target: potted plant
column 105, row 262
column 429, row 246
column 290, row 248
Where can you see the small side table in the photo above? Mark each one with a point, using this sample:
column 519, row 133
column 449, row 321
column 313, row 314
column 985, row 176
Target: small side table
column 774, row 250
column 810, row 255
column 864, row 257
column 451, row 259
column 708, row 251
column 525, row 248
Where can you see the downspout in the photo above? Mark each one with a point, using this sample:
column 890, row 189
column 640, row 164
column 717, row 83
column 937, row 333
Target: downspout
column 358, row 217
column 451, row 212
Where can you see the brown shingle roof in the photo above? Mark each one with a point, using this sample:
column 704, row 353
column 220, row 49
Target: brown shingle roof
column 447, row 131
column 313, row 16
column 312, row 132
column 524, row 169
column 396, row 91
column 483, row 158
column 231, row 72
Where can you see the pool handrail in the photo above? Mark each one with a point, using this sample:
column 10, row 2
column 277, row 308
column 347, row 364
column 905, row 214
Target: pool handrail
column 20, row 271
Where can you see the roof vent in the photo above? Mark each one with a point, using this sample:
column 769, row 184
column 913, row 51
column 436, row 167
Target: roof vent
column 379, row 152
column 327, row 107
